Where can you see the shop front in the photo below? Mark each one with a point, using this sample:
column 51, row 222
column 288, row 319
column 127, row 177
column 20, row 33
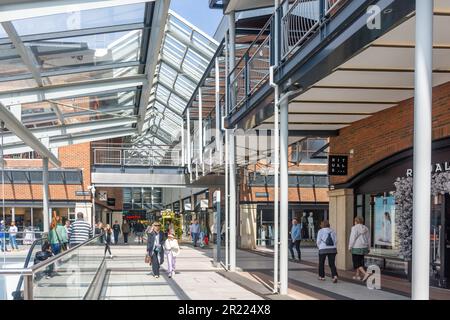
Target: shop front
column 383, row 197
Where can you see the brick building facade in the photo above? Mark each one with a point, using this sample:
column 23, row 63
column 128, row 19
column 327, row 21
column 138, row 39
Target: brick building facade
column 380, row 151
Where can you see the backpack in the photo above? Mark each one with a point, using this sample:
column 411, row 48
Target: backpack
column 329, row 242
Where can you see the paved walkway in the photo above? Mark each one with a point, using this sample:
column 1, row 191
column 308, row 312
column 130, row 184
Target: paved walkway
column 196, row 278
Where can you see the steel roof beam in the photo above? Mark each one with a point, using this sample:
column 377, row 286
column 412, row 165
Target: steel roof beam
column 25, row 135
column 160, row 15
column 69, row 90
column 25, row 53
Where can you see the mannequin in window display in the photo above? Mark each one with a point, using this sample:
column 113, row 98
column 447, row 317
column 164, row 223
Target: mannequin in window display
column 304, row 223
column 311, row 230
column 263, row 235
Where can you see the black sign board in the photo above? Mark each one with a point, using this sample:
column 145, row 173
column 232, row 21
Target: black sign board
column 337, row 165
column 111, row 202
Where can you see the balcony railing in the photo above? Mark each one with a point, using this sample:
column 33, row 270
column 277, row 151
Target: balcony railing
column 147, row 157
column 298, row 24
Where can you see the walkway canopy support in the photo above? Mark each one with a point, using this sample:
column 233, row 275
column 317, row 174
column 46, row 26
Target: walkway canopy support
column 422, row 150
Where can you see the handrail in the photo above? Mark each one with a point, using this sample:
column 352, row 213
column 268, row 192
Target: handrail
column 16, row 294
column 30, row 272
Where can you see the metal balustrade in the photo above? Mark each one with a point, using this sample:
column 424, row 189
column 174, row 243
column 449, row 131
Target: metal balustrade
column 298, row 24
column 148, row 156
column 301, row 20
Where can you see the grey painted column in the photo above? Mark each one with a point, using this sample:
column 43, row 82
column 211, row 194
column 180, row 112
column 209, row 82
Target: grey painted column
column 284, row 199
column 45, row 195
column 422, row 150
column 231, row 149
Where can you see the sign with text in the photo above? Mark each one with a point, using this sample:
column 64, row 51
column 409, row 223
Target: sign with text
column 337, row 165
column 102, row 196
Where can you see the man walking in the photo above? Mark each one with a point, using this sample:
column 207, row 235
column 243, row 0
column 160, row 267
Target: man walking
column 79, row 231
column 296, row 238
column 116, row 231
column 155, row 248
column 125, row 231
column 12, row 236
column 195, row 231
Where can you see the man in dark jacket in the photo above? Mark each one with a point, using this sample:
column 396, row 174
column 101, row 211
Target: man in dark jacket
column 116, row 231
column 155, row 248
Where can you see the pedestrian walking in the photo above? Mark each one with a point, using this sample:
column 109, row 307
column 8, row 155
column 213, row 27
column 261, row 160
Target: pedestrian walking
column 296, row 237
column 195, row 232
column 326, row 242
column 13, row 236
column 79, row 231
column 139, row 227
column 57, row 236
column 359, row 245
column 155, row 248
column 107, row 234
column 116, row 231
column 171, row 249
column 3, row 236
column 125, row 231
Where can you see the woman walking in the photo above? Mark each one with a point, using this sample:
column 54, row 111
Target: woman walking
column 57, row 236
column 107, row 234
column 359, row 245
column 171, row 249
column 326, row 242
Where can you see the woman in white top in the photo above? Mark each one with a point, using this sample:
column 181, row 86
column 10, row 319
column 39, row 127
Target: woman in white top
column 359, row 245
column 326, row 242
column 171, row 249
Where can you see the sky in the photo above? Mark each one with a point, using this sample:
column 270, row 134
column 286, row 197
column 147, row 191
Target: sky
column 198, row 13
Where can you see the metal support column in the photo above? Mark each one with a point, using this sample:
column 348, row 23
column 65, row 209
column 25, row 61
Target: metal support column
column 284, row 199
column 227, row 199
column 218, row 114
column 45, row 195
column 276, row 165
column 183, row 147
column 200, row 131
column 231, row 141
column 188, row 138
column 422, row 150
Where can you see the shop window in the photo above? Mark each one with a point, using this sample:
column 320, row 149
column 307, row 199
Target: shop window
column 304, row 151
column 378, row 211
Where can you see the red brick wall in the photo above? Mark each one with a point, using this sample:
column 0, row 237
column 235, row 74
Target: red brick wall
column 116, row 193
column 388, row 132
column 75, row 156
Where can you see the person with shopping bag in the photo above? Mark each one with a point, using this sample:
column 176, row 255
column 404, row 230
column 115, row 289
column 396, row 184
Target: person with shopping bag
column 171, row 249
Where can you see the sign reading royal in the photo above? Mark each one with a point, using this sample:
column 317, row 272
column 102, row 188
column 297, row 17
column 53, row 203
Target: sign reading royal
column 435, row 168
column 337, row 165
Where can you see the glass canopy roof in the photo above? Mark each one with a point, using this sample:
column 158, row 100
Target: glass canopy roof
column 185, row 55
column 83, row 73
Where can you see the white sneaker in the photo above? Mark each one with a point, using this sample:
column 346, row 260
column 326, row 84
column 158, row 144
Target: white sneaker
column 110, row 256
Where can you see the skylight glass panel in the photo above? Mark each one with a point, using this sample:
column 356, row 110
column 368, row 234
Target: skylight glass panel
column 89, row 50
column 78, row 20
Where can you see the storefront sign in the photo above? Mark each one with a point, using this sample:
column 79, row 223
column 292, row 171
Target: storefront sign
column 337, row 165
column 82, row 193
column 435, row 168
column 102, row 196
